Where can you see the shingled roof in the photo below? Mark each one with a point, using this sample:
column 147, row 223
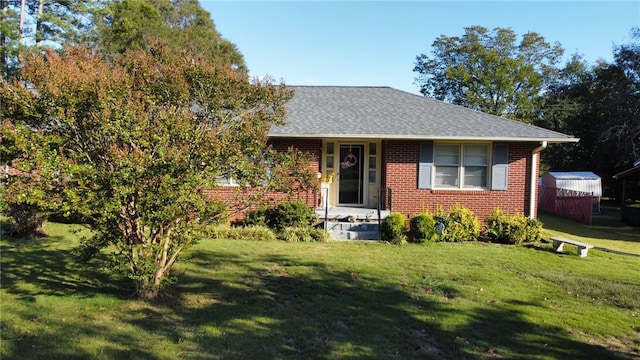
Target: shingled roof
column 387, row 113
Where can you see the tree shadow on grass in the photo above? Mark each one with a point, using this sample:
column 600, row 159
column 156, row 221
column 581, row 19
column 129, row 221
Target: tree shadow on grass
column 280, row 307
column 51, row 269
column 501, row 330
column 298, row 309
column 40, row 275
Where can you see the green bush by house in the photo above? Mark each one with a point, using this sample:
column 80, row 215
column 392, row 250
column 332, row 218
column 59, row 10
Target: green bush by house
column 394, row 228
column 422, row 228
column 250, row 232
column 460, row 224
column 304, row 234
column 285, row 214
column 512, row 229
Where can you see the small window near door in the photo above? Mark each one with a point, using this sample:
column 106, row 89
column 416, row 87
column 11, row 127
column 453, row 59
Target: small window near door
column 373, row 162
column 330, row 153
column 372, row 176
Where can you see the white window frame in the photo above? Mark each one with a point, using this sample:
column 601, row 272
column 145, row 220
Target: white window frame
column 226, row 180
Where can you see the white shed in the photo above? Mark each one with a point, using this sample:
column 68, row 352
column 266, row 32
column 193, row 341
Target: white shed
column 582, row 181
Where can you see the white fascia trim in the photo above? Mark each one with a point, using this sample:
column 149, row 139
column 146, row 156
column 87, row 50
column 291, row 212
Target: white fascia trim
column 418, row 137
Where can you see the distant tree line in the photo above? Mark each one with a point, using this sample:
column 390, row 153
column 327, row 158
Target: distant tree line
column 110, row 26
column 493, row 72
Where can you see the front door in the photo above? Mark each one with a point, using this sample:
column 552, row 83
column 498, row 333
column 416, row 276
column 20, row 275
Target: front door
column 351, row 177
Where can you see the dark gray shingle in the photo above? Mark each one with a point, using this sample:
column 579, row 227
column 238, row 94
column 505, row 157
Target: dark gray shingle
column 383, row 112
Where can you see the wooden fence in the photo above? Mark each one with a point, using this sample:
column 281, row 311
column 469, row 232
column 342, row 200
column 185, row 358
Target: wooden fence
column 571, row 204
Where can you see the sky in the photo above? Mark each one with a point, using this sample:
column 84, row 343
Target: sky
column 375, row 43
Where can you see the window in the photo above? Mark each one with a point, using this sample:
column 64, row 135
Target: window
column 447, row 162
column 475, row 165
column 237, row 177
column 329, row 163
column 462, row 166
column 373, row 156
column 226, row 180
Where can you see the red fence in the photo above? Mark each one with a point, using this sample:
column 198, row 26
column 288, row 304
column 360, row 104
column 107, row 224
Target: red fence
column 571, row 204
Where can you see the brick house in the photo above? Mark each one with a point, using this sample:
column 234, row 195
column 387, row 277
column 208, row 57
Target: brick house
column 409, row 153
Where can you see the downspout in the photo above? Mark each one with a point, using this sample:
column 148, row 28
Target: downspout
column 534, row 179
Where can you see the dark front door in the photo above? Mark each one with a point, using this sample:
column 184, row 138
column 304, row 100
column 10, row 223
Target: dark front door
column 350, row 186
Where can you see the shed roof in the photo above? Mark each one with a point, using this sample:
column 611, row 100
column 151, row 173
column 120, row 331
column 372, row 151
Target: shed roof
column 387, row 113
column 574, row 175
column 584, row 181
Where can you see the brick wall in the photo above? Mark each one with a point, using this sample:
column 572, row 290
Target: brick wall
column 400, row 174
column 233, row 196
column 399, row 171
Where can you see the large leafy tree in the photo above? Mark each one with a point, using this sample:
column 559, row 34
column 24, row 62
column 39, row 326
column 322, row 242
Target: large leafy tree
column 489, row 71
column 27, row 24
column 566, row 99
column 11, row 26
column 601, row 106
column 57, row 22
column 131, row 23
column 128, row 142
column 8, row 31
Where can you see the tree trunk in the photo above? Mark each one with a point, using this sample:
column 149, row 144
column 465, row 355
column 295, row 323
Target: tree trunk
column 39, row 36
column 4, row 63
column 148, row 290
column 145, row 290
column 23, row 5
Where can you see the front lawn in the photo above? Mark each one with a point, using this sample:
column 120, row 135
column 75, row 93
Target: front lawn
column 338, row 300
column 606, row 232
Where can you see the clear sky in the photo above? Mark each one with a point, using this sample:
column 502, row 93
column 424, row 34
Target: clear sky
column 375, row 43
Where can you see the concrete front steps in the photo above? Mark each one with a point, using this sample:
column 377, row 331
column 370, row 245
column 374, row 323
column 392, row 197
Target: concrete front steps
column 353, row 231
column 349, row 223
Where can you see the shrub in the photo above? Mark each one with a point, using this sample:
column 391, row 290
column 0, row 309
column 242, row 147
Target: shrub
column 285, row 214
column 512, row 229
column 259, row 217
column 401, row 240
column 291, row 220
column 292, row 214
column 422, row 228
column 252, row 232
column 304, row 234
column 460, row 223
column 394, row 228
column 25, row 220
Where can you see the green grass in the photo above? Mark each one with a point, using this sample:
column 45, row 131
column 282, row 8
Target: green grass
column 606, row 232
column 339, row 300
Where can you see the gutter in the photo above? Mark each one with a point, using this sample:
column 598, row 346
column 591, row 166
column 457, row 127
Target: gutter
column 550, row 140
column 534, row 179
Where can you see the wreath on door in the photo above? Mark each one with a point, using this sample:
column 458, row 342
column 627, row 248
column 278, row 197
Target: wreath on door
column 349, row 160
